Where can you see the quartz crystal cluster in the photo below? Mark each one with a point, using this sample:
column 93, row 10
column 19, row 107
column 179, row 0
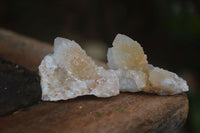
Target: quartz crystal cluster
column 69, row 72
column 129, row 62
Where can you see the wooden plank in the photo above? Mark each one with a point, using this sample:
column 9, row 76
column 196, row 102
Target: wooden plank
column 140, row 112
column 23, row 50
column 127, row 112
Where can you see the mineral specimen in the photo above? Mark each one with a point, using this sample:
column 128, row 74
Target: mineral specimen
column 165, row 82
column 69, row 73
column 129, row 62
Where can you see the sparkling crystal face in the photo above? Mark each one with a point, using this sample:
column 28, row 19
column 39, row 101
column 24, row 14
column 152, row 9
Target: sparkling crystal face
column 70, row 56
column 128, row 54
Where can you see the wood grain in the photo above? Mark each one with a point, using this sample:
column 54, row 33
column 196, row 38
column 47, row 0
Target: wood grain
column 142, row 113
column 23, row 50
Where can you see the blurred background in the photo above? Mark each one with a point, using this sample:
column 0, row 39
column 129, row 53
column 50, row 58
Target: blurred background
column 169, row 32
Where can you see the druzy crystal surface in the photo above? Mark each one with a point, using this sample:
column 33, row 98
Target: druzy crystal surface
column 165, row 82
column 129, row 62
column 69, row 72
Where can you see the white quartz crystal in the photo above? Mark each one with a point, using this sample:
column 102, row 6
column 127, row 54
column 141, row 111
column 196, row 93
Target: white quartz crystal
column 131, row 80
column 166, row 82
column 69, row 73
column 129, row 62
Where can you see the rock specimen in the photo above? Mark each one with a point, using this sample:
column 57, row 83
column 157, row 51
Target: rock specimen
column 69, row 73
column 165, row 82
column 130, row 63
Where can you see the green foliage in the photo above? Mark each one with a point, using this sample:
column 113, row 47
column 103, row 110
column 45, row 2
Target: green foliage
column 121, row 110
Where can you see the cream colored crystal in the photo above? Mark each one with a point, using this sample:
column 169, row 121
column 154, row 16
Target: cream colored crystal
column 130, row 63
column 165, row 82
column 69, row 73
column 126, row 54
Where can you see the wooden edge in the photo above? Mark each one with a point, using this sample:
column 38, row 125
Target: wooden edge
column 25, row 51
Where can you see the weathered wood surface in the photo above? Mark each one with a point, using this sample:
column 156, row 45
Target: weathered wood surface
column 23, row 50
column 18, row 87
column 142, row 112
column 88, row 114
